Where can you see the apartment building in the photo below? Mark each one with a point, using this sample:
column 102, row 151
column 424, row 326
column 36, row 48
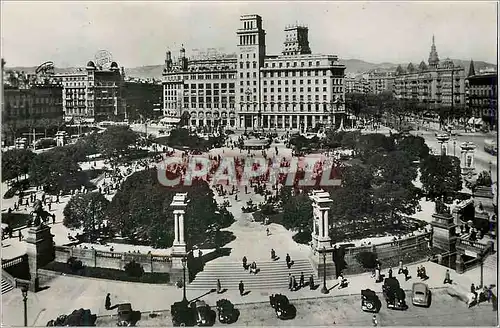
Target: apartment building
column 250, row 89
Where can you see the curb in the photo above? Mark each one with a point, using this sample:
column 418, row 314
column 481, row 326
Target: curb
column 265, row 302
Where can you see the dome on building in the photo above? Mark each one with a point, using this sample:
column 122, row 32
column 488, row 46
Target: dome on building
column 91, row 64
column 114, row 65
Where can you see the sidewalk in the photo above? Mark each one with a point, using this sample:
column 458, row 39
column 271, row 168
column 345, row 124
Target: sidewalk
column 73, row 293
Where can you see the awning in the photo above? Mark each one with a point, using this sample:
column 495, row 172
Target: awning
column 478, row 121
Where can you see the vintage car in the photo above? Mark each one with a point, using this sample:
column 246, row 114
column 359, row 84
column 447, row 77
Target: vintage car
column 281, row 305
column 226, row 311
column 182, row 314
column 421, row 294
column 394, row 295
column 203, row 314
column 126, row 316
column 370, row 301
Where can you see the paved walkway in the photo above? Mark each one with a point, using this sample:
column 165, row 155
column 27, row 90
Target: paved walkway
column 64, row 294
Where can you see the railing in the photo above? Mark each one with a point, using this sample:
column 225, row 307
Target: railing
column 461, row 242
column 13, row 261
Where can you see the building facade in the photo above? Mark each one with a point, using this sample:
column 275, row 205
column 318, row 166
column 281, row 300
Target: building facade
column 142, row 98
column 38, row 106
column 251, row 89
column 93, row 94
column 482, row 98
column 439, row 84
column 381, row 82
column 357, row 83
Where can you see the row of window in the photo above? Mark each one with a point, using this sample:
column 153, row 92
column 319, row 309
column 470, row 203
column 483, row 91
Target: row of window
column 294, row 64
column 208, row 105
column 295, row 73
column 301, row 89
column 209, row 99
column 209, row 86
column 221, row 76
column 294, row 98
column 298, row 108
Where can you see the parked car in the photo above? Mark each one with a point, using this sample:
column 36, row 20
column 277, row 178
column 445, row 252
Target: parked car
column 227, row 312
column 204, row 315
column 394, row 295
column 126, row 316
column 281, row 305
column 370, row 301
column 421, row 294
column 182, row 314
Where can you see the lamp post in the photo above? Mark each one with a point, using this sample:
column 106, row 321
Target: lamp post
column 184, row 260
column 24, row 290
column 324, row 290
column 454, row 147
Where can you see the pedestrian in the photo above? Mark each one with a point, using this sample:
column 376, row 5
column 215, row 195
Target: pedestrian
column 340, row 280
column 473, row 290
column 267, row 232
column 53, row 218
column 378, row 278
column 9, row 210
column 244, row 262
column 241, row 287
column 423, row 273
column 20, row 235
column 219, row 287
column 50, row 206
column 374, row 321
column 302, row 280
column 390, row 272
column 246, row 189
column 400, row 267
column 419, row 272
column 288, row 261
column 447, row 279
column 311, row 282
column 273, row 254
column 107, row 303
column 294, row 287
column 290, row 281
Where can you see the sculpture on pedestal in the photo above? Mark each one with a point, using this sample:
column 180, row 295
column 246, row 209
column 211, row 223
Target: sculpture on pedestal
column 39, row 216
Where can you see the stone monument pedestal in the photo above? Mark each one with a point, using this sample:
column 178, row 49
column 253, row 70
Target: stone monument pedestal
column 40, row 251
column 443, row 232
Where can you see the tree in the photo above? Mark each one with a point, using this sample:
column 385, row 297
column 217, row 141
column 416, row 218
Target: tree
column 87, row 211
column 440, row 175
column 298, row 213
column 185, row 117
column 53, row 168
column 15, row 163
column 371, row 144
column 116, row 140
column 394, row 192
column 413, row 145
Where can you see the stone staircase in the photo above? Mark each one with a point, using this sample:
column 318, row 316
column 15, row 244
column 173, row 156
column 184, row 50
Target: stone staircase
column 6, row 287
column 272, row 274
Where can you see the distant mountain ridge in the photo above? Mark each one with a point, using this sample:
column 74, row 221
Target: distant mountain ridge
column 352, row 66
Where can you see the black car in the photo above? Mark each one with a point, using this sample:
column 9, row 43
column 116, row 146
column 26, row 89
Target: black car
column 203, row 314
column 226, row 311
column 393, row 294
column 182, row 315
column 281, row 304
column 370, row 301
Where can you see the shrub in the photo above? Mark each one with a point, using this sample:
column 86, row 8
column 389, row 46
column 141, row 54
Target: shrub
column 75, row 264
column 302, row 237
column 134, row 269
column 367, row 259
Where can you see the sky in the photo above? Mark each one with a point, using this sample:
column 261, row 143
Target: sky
column 70, row 33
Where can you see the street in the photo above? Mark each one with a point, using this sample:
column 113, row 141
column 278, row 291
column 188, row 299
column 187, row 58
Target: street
column 346, row 311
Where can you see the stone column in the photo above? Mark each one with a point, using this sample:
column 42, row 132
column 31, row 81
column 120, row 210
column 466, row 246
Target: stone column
column 180, row 217
column 176, row 227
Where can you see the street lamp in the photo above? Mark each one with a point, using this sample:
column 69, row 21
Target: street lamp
column 324, row 290
column 454, row 147
column 24, row 290
column 184, row 260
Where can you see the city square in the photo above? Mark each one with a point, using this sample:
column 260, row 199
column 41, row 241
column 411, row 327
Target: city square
column 251, row 189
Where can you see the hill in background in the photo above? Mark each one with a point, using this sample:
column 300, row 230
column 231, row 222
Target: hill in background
column 352, row 66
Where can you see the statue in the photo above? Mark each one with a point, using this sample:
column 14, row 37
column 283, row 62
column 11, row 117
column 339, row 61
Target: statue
column 441, row 208
column 40, row 216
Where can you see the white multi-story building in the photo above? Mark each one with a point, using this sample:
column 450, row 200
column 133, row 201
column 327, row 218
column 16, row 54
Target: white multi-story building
column 294, row 90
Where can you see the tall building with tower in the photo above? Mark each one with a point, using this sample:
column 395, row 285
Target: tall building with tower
column 296, row 89
column 437, row 84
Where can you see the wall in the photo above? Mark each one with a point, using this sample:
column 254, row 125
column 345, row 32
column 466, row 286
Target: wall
column 409, row 250
column 113, row 260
